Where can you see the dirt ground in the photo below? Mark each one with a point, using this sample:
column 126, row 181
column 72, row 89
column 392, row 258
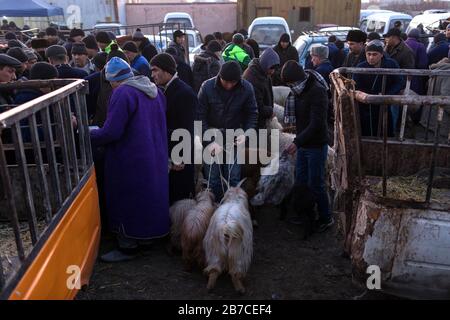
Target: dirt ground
column 284, row 267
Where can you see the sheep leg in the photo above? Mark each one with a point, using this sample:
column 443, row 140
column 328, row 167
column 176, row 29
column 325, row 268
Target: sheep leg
column 212, row 279
column 237, row 283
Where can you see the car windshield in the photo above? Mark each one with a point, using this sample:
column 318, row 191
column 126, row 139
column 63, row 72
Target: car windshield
column 376, row 26
column 405, row 24
column 267, row 34
column 184, row 22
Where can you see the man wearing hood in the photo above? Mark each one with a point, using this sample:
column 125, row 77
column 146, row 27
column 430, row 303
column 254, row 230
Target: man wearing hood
column 181, row 105
column 259, row 74
column 286, row 51
column 135, row 141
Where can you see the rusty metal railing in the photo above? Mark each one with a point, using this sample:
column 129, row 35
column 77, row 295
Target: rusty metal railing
column 399, row 101
column 44, row 154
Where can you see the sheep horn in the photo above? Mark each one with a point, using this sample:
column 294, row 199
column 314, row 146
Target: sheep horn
column 241, row 183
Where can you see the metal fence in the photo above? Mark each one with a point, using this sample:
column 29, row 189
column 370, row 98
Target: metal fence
column 404, row 101
column 45, row 155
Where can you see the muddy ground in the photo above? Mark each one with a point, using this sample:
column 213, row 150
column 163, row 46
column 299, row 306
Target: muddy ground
column 284, row 267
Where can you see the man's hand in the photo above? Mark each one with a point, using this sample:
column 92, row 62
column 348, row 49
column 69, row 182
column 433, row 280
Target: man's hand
column 214, row 149
column 178, row 167
column 240, row 139
column 74, row 122
column 291, row 149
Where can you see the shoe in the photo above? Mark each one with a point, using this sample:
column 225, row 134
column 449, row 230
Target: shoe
column 117, row 256
column 323, row 226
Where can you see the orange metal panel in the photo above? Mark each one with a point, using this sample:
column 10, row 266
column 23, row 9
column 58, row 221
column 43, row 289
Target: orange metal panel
column 74, row 242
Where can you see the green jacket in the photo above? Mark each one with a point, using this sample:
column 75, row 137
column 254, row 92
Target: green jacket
column 236, row 53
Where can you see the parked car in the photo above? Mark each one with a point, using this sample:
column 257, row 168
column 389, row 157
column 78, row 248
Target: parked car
column 268, row 30
column 116, row 28
column 160, row 42
column 182, row 18
column 382, row 22
column 304, row 43
column 430, row 22
column 364, row 14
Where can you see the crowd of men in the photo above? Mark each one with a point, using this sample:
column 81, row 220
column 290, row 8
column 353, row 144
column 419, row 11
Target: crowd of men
column 139, row 97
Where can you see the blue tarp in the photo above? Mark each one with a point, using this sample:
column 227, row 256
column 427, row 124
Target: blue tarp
column 28, row 8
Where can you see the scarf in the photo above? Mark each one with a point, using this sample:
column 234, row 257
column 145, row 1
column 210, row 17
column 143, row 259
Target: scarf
column 296, row 90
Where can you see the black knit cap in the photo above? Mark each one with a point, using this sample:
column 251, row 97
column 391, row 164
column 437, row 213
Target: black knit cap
column 76, row 33
column 18, row 53
column 79, row 48
column 230, row 71
column 100, row 60
column 50, row 31
column 55, row 50
column 130, row 46
column 178, row 34
column 165, row 62
column 373, row 36
column 394, row 32
column 10, row 36
column 292, row 72
column 214, row 46
column 90, row 42
column 356, row 36
column 103, row 37
column 43, row 71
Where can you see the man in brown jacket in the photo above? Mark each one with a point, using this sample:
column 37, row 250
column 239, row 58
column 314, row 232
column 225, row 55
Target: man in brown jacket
column 398, row 50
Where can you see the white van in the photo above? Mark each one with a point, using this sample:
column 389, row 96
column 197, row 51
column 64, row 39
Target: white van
column 429, row 21
column 183, row 18
column 382, row 22
column 268, row 30
column 366, row 13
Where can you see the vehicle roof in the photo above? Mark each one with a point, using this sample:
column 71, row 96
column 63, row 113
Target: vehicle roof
column 188, row 30
column 430, row 17
column 179, row 14
column 112, row 24
column 269, row 20
column 388, row 15
column 338, row 29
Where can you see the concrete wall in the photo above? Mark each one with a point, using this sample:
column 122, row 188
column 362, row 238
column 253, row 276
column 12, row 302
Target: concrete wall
column 208, row 17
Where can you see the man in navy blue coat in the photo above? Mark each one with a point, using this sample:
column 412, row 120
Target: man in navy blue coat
column 57, row 56
column 372, row 84
column 440, row 50
column 181, row 105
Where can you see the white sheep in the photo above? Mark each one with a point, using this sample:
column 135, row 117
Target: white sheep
column 280, row 94
column 228, row 243
column 194, row 228
column 177, row 213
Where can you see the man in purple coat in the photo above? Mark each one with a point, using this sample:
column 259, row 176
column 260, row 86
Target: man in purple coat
column 136, row 182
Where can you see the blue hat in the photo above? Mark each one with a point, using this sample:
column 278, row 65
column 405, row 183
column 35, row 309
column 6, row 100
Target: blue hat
column 118, row 69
